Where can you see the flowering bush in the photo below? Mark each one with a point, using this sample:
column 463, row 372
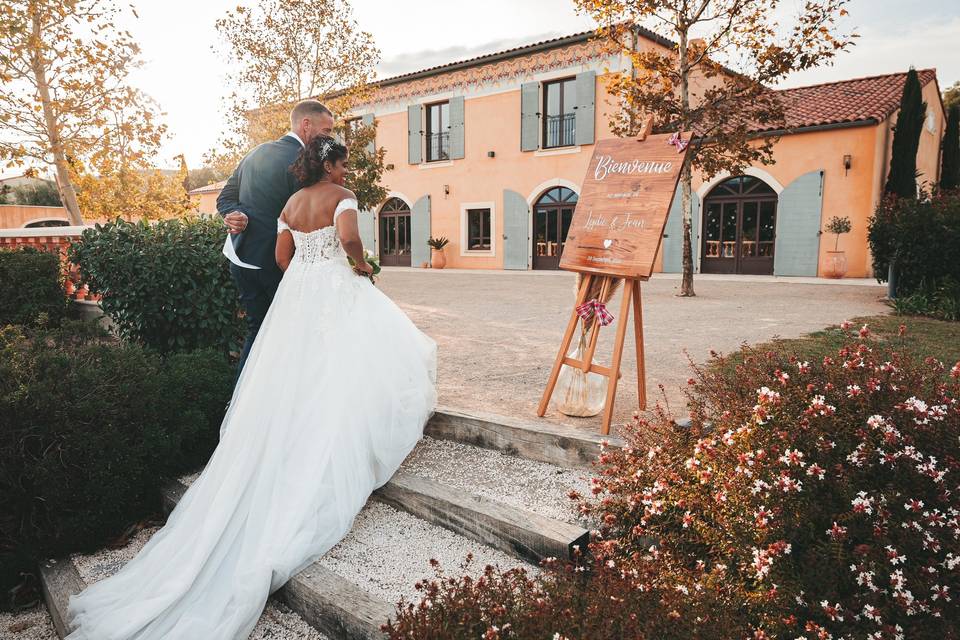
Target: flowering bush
column 821, row 494
column 568, row 600
column 806, row 500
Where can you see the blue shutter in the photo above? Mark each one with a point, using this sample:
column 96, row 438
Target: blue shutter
column 529, row 116
column 456, row 128
column 586, row 95
column 672, row 245
column 368, row 122
column 420, row 231
column 516, row 229
column 414, row 119
column 797, row 243
column 366, row 221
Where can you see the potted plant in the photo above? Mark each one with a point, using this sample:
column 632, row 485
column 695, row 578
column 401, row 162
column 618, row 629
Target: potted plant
column 836, row 266
column 437, row 259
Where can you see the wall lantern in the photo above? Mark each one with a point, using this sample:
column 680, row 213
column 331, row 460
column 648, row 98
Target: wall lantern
column 847, row 162
column 446, row 189
column 491, row 154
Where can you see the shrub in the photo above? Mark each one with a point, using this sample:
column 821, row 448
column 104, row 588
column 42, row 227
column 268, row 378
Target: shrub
column 30, row 285
column 569, row 600
column 824, row 493
column 164, row 285
column 922, row 237
column 88, row 427
column 942, row 303
column 804, row 500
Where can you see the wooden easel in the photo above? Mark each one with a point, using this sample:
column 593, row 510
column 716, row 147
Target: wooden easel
column 631, row 297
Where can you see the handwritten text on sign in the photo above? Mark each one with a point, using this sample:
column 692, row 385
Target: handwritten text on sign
column 623, row 206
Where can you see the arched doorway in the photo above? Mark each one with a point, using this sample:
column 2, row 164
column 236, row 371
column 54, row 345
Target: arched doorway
column 395, row 233
column 552, row 214
column 739, row 227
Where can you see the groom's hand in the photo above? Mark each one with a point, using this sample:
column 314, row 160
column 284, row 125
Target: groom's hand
column 236, row 221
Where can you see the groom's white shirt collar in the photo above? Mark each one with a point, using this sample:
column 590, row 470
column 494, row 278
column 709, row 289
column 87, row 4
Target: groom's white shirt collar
column 297, row 138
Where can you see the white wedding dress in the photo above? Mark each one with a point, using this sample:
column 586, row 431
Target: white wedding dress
column 334, row 395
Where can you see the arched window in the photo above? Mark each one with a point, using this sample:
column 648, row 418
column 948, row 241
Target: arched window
column 739, row 227
column 552, row 214
column 395, row 233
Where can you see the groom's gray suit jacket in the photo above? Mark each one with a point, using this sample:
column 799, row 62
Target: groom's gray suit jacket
column 260, row 187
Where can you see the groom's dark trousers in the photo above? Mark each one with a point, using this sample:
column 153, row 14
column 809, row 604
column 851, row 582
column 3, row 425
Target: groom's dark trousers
column 259, row 187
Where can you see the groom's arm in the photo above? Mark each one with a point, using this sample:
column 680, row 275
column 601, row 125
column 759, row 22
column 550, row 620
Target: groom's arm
column 229, row 199
column 228, row 203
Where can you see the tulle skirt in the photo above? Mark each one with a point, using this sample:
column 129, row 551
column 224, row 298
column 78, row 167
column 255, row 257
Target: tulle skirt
column 334, row 395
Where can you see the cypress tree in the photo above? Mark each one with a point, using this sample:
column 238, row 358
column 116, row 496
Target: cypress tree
column 902, row 179
column 950, row 167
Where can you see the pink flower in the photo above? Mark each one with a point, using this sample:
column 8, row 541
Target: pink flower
column 914, row 505
column 837, row 532
column 864, row 331
column 816, row 470
column 846, row 324
column 862, row 503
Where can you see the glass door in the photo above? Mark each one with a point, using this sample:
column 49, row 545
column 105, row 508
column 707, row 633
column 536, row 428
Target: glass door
column 395, row 234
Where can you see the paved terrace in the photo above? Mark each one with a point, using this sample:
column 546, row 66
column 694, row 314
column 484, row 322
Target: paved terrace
column 498, row 332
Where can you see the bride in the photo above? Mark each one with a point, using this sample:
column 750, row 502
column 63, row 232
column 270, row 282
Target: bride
column 335, row 394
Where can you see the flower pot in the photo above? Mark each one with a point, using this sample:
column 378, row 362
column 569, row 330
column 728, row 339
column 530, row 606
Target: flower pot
column 437, row 259
column 836, row 265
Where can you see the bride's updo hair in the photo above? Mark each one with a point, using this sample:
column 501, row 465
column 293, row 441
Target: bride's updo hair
column 308, row 167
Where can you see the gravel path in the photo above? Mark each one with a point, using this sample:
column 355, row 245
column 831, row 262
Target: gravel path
column 388, row 551
column 498, row 332
column 535, row 486
column 32, row 624
column 276, row 622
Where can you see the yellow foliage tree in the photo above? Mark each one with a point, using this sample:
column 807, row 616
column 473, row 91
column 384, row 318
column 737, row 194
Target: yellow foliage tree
column 64, row 94
column 285, row 51
column 133, row 192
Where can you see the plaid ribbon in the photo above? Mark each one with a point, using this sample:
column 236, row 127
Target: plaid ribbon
column 678, row 142
column 592, row 308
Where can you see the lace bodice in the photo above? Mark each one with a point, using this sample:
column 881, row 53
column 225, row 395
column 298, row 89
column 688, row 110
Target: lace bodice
column 320, row 244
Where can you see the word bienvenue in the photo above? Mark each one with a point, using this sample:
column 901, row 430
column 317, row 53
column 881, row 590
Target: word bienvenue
column 617, row 223
column 607, row 165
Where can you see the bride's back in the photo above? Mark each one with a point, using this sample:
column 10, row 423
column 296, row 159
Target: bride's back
column 313, row 207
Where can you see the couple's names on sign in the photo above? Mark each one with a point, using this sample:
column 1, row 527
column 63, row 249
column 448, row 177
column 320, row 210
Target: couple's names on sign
column 623, row 206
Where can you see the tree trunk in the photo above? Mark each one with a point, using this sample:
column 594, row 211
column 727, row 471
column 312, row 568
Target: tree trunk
column 67, row 193
column 686, row 284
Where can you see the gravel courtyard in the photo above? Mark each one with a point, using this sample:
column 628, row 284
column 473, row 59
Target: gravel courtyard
column 498, row 333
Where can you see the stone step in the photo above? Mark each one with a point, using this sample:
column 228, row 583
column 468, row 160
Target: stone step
column 538, row 440
column 330, row 603
column 59, row 579
column 516, row 531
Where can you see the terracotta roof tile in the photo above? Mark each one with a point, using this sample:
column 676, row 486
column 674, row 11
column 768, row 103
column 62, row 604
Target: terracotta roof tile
column 210, row 188
column 847, row 101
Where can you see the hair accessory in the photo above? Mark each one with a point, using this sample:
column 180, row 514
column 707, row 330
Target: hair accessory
column 325, row 149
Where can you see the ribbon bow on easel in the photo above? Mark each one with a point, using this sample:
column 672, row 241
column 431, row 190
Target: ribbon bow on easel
column 678, row 142
column 592, row 308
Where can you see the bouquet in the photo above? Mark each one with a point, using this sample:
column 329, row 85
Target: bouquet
column 373, row 261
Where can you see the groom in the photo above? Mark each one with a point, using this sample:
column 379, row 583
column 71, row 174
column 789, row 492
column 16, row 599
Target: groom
column 251, row 202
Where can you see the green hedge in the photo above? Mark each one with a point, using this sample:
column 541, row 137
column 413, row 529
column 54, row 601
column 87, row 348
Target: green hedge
column 30, row 285
column 922, row 238
column 164, row 285
column 88, row 427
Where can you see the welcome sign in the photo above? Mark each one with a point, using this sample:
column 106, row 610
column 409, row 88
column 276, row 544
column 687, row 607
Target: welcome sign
column 623, row 206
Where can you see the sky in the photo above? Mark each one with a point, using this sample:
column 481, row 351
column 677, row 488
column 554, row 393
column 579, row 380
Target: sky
column 186, row 78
